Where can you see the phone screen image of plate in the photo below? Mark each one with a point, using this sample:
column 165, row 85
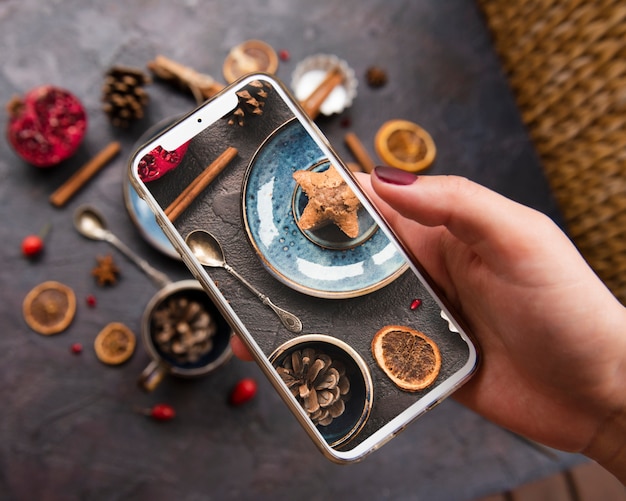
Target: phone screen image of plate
column 332, row 302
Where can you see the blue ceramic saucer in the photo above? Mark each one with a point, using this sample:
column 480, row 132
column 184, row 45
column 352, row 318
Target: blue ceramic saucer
column 338, row 271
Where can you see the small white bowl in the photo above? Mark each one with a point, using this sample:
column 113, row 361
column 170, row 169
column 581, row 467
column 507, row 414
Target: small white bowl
column 310, row 72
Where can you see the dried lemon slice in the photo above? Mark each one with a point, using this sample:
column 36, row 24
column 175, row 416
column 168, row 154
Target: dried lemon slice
column 115, row 344
column 405, row 145
column 409, row 358
column 49, row 307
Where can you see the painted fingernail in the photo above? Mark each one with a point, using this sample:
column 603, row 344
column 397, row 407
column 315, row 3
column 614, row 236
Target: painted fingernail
column 394, row 176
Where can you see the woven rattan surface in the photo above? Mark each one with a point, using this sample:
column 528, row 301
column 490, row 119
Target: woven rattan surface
column 566, row 62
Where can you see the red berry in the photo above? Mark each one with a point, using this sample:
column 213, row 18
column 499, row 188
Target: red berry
column 243, row 391
column 46, row 126
column 32, row 245
column 415, row 304
column 76, row 348
column 162, row 412
column 91, row 300
column 284, row 55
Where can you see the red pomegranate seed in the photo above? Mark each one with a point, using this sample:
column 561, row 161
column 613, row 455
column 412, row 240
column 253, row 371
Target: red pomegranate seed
column 415, row 304
column 76, row 348
column 91, row 300
column 346, row 122
column 284, row 55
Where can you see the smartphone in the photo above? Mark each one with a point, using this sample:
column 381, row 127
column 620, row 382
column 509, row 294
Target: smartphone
column 344, row 323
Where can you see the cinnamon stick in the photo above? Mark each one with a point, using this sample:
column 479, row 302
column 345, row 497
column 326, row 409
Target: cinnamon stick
column 360, row 153
column 313, row 103
column 206, row 177
column 68, row 189
column 202, row 86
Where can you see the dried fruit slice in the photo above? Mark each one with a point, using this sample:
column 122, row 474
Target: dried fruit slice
column 49, row 307
column 115, row 344
column 250, row 56
column 409, row 358
column 405, row 145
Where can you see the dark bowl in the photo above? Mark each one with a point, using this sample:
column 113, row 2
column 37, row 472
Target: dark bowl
column 220, row 351
column 358, row 405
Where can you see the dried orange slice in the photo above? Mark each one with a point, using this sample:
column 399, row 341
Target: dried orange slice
column 250, row 56
column 408, row 357
column 49, row 308
column 115, row 344
column 405, row 145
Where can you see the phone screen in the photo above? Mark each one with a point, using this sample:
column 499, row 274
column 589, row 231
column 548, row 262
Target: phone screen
column 267, row 217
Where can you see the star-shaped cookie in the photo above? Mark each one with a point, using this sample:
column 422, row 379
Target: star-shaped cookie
column 330, row 201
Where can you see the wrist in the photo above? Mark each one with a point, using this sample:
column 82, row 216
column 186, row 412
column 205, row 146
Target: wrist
column 608, row 445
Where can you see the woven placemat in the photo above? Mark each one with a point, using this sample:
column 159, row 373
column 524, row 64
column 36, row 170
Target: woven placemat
column 566, row 63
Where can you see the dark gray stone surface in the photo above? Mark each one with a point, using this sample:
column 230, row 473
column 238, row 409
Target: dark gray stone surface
column 68, row 428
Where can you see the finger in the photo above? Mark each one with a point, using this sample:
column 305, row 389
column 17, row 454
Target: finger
column 475, row 215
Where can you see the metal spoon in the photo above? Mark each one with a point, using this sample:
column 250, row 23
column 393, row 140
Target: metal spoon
column 209, row 252
column 91, row 224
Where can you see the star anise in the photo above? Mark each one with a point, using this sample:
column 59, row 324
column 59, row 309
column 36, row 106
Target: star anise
column 318, row 382
column 106, row 271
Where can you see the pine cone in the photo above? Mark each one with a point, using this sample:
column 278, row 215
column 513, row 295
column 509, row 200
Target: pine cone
column 123, row 95
column 251, row 101
column 319, row 384
column 184, row 329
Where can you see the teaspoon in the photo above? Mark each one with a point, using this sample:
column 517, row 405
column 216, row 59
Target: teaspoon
column 209, row 252
column 91, row 224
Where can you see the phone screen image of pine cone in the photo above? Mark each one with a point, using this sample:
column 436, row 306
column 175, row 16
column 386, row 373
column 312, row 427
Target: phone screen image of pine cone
column 318, row 382
column 183, row 330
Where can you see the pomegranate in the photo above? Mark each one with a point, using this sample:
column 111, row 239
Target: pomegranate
column 159, row 161
column 46, row 126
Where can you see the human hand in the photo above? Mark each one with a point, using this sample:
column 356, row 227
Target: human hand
column 551, row 334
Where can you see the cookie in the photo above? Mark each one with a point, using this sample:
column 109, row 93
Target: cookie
column 330, row 201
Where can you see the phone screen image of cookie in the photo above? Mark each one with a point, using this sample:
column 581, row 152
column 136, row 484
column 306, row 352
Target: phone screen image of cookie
column 331, row 301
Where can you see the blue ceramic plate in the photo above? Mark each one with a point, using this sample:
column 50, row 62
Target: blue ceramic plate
column 327, row 264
